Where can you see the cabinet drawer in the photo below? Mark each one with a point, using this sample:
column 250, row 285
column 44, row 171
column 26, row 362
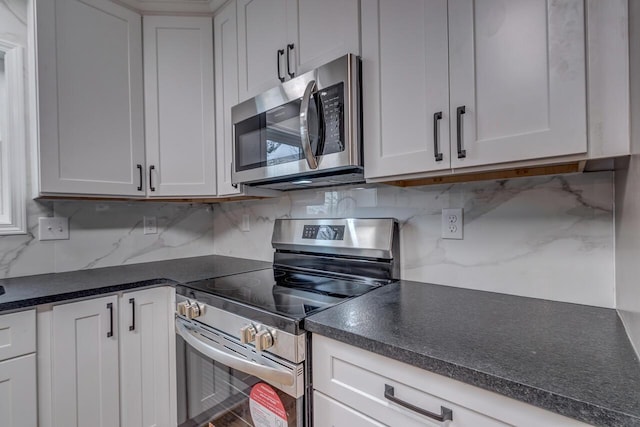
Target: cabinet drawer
column 358, row 379
column 328, row 412
column 18, row 392
column 17, row 334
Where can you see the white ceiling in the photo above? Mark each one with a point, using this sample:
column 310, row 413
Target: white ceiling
column 173, row 6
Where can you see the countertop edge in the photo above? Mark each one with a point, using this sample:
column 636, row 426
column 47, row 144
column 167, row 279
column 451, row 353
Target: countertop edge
column 83, row 293
column 545, row 399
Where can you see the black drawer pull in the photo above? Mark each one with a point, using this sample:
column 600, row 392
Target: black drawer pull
column 132, row 301
column 110, row 308
column 445, row 414
column 289, row 49
column 140, row 171
column 278, row 55
column 151, row 169
column 459, row 112
column 436, row 136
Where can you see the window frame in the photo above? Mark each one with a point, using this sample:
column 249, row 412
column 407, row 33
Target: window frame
column 13, row 177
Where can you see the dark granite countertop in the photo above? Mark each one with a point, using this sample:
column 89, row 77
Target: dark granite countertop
column 572, row 359
column 28, row 291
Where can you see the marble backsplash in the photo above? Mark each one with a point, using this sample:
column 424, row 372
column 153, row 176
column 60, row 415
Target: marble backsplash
column 107, row 234
column 543, row 237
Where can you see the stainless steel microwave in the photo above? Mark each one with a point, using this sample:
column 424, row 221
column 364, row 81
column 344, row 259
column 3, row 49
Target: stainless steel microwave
column 305, row 132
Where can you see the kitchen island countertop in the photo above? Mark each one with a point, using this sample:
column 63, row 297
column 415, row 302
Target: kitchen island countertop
column 571, row 359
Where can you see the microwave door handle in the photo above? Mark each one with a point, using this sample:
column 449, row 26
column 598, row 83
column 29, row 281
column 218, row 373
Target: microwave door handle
column 304, row 125
column 264, row 372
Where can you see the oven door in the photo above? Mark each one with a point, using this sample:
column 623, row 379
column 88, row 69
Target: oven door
column 224, row 383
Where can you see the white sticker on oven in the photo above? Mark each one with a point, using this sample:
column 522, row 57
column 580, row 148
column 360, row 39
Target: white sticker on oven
column 266, row 407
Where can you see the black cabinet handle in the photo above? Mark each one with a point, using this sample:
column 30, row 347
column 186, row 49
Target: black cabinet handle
column 110, row 308
column 290, row 47
column 459, row 112
column 280, row 53
column 151, row 169
column 132, row 301
column 445, row 414
column 436, row 136
column 140, row 172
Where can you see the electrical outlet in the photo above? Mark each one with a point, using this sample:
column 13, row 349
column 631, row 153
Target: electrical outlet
column 53, row 228
column 246, row 223
column 452, row 223
column 150, row 225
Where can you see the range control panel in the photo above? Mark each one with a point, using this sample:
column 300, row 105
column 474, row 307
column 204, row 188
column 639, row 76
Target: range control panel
column 323, row 232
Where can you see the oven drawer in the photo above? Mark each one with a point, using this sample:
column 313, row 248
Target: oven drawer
column 360, row 380
column 17, row 334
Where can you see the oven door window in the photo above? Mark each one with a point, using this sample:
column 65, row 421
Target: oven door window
column 274, row 137
column 212, row 394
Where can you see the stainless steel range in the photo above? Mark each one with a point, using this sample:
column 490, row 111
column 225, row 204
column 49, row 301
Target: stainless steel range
column 243, row 354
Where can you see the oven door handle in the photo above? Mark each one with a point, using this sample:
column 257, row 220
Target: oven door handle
column 304, row 125
column 264, row 372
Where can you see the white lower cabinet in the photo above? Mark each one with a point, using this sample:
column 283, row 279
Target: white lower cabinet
column 147, row 358
column 354, row 387
column 18, row 392
column 108, row 361
column 18, row 397
column 330, row 413
column 85, row 363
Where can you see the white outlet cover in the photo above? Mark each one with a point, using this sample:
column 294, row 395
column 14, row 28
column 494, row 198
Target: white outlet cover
column 150, row 224
column 53, row 228
column 452, row 223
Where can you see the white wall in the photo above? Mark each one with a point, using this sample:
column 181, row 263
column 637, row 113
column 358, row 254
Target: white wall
column 627, row 187
column 545, row 237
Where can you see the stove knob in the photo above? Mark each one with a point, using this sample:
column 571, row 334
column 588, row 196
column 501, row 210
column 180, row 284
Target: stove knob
column 247, row 334
column 182, row 308
column 264, row 340
column 195, row 309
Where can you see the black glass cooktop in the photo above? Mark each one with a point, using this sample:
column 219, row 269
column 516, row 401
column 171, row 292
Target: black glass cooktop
column 290, row 294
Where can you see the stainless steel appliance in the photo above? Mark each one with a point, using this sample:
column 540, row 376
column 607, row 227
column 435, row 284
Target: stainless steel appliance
column 242, row 351
column 304, row 133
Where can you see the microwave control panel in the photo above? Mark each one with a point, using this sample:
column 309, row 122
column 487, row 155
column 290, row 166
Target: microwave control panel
column 333, row 110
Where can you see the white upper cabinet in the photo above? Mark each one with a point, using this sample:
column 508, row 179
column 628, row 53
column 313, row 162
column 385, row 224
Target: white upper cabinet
column 179, row 106
column 90, row 97
column 226, row 66
column 518, row 69
column 321, row 31
column 278, row 39
column 508, row 78
column 262, row 44
column 405, row 87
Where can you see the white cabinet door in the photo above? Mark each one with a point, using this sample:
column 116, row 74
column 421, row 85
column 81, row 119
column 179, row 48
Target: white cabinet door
column 147, row 358
column 179, row 106
column 518, row 69
column 262, row 42
column 330, row 413
column 18, row 400
column 405, row 87
column 90, row 97
column 85, row 391
column 321, row 31
column 226, row 60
